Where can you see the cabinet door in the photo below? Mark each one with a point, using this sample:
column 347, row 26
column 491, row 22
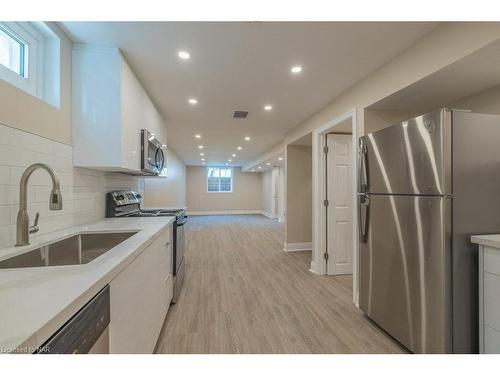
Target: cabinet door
column 140, row 298
column 137, row 112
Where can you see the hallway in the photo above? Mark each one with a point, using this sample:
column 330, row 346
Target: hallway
column 244, row 294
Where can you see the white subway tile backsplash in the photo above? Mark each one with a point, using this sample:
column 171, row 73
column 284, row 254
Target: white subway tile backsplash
column 83, row 190
column 5, row 195
column 7, row 235
column 21, row 157
column 41, row 193
column 5, row 215
column 44, row 158
column 4, row 135
column 62, row 150
column 61, row 164
column 5, row 156
column 28, row 141
column 14, row 193
column 4, row 175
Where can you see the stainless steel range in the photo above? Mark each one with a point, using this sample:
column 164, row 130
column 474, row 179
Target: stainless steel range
column 128, row 204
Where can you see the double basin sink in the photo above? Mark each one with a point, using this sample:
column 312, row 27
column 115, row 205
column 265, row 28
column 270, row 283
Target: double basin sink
column 79, row 249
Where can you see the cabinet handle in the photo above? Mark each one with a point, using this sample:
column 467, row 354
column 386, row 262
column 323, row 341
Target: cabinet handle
column 167, row 244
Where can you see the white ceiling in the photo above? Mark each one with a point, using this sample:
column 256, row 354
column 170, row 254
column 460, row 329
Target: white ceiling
column 243, row 66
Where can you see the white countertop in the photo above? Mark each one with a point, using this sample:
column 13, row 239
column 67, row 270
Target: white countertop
column 36, row 302
column 492, row 240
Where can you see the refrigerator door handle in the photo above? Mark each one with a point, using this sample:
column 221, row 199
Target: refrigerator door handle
column 363, row 170
column 364, row 214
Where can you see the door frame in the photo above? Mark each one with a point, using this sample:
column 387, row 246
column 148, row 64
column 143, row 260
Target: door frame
column 318, row 264
column 275, row 199
column 281, row 203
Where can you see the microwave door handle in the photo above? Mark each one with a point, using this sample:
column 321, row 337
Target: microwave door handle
column 364, row 216
column 159, row 161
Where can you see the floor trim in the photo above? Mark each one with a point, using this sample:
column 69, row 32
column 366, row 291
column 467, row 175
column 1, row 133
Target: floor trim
column 298, row 246
column 268, row 214
column 243, row 212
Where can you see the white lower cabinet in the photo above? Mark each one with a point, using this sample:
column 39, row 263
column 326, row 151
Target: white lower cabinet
column 489, row 300
column 140, row 298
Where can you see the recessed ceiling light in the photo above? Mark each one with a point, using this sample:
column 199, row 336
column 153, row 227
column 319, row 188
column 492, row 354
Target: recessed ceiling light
column 202, row 159
column 247, row 139
column 200, row 147
column 268, row 163
column 229, row 160
column 296, row 69
column 233, row 155
column 239, row 148
column 192, row 101
column 253, row 170
column 197, row 136
column 202, row 154
column 184, row 55
column 260, row 167
column 280, row 158
column 268, row 107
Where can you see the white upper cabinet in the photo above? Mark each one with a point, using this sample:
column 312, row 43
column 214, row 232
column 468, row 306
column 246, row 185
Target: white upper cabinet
column 110, row 107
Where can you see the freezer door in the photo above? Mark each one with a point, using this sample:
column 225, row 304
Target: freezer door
column 413, row 157
column 405, row 268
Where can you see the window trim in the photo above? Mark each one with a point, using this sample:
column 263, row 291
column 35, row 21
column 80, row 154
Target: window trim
column 219, row 191
column 27, row 34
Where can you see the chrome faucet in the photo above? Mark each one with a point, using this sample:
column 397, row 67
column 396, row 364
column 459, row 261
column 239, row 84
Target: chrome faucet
column 23, row 228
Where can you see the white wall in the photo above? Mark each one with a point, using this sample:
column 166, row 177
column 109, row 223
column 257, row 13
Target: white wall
column 298, row 223
column 26, row 112
column 170, row 191
column 246, row 195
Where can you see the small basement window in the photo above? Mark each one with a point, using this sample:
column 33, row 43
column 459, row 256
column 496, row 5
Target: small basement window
column 30, row 59
column 219, row 180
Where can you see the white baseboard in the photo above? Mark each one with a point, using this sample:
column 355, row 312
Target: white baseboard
column 313, row 267
column 299, row 246
column 199, row 213
column 267, row 214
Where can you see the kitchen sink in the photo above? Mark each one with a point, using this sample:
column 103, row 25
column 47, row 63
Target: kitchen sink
column 78, row 249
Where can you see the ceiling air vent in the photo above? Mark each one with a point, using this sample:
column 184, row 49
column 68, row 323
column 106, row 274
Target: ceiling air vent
column 240, row 114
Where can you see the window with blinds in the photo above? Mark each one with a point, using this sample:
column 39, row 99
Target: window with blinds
column 219, row 180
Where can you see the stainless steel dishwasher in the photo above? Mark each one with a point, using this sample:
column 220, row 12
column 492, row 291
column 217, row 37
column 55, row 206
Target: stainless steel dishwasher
column 85, row 332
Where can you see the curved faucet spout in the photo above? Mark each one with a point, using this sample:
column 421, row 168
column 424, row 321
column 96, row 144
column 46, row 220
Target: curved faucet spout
column 55, row 203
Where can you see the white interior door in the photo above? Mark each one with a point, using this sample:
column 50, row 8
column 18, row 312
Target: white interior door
column 339, row 208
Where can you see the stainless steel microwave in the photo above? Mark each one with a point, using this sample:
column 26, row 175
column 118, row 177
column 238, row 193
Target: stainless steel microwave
column 152, row 152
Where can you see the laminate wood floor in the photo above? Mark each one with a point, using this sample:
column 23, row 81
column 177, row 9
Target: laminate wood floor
column 243, row 294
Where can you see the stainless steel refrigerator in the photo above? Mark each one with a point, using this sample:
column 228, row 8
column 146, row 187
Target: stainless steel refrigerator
column 426, row 185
